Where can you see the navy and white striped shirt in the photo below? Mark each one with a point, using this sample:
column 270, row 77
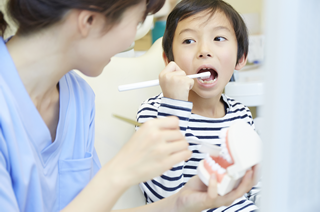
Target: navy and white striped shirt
column 206, row 129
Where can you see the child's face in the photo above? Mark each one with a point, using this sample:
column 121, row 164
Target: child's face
column 201, row 43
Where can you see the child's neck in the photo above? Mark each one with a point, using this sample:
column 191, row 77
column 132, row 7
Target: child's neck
column 211, row 107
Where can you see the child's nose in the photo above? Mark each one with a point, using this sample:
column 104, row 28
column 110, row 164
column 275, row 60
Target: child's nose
column 205, row 55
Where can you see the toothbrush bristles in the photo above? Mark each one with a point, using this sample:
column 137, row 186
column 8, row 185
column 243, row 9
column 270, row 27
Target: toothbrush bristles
column 206, row 77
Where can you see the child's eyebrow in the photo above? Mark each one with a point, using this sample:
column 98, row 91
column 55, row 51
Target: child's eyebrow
column 187, row 30
column 214, row 29
column 221, row 28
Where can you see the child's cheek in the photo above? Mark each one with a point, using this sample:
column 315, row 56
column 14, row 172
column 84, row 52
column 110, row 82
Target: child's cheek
column 228, row 58
column 184, row 61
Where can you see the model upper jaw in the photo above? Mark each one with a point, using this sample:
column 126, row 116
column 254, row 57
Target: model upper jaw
column 205, row 68
column 219, row 164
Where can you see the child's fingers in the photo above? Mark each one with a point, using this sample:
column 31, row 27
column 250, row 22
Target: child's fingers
column 245, row 185
column 171, row 67
column 212, row 188
column 256, row 173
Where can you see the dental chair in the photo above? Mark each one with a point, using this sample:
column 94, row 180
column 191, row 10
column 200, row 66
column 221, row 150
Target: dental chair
column 111, row 134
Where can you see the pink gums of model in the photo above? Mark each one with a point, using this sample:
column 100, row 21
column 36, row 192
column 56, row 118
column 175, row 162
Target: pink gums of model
column 240, row 150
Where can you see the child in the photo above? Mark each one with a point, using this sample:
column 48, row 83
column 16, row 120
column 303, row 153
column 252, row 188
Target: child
column 200, row 36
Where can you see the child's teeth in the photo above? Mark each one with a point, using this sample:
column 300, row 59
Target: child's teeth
column 208, row 81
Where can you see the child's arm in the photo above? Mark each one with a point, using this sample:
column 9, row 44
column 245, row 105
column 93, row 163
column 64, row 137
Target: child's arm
column 172, row 180
column 174, row 100
column 161, row 106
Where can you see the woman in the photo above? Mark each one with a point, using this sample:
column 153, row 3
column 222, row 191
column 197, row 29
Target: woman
column 47, row 156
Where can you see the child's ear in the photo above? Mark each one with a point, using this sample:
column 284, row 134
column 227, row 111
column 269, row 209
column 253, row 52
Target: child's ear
column 241, row 63
column 165, row 59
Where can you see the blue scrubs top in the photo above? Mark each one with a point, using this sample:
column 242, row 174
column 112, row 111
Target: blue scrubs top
column 37, row 174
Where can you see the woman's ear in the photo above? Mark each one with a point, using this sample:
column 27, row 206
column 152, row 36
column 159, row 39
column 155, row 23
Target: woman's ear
column 86, row 21
column 165, row 59
column 241, row 63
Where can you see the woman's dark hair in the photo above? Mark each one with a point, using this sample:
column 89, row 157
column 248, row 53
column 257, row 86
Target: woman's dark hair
column 187, row 8
column 3, row 24
column 33, row 15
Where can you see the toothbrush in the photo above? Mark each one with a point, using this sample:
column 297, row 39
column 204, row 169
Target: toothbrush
column 203, row 75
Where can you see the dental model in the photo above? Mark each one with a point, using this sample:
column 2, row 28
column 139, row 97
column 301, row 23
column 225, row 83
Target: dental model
column 240, row 150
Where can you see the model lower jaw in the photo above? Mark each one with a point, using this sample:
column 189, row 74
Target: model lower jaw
column 218, row 165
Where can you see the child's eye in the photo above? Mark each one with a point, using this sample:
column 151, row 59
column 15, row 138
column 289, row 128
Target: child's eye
column 219, row 39
column 188, row 41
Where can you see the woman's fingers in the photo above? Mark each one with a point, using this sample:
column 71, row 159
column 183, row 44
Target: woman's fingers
column 177, row 146
column 177, row 157
column 170, row 122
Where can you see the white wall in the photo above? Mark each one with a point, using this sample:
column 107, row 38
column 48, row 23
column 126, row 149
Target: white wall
column 291, row 167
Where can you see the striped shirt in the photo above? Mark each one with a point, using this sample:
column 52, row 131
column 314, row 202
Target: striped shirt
column 203, row 128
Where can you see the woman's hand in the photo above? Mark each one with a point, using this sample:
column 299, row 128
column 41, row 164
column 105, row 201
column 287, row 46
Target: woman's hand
column 153, row 149
column 174, row 83
column 196, row 196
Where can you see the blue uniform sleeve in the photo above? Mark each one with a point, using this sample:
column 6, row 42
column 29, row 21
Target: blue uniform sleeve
column 8, row 201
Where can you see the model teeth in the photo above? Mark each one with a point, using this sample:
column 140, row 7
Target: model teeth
column 214, row 166
column 224, row 153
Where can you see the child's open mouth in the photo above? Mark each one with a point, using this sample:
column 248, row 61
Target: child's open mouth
column 211, row 79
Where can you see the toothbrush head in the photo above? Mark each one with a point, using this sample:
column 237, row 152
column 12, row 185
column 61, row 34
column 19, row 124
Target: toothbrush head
column 205, row 75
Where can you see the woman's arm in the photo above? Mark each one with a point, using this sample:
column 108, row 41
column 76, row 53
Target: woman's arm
column 153, row 149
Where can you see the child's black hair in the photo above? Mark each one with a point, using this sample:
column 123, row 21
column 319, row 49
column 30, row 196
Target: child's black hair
column 187, row 8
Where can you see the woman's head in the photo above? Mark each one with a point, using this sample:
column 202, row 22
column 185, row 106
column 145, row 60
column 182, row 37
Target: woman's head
column 87, row 33
column 34, row 15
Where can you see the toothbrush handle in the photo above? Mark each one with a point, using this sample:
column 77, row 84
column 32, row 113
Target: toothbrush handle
column 138, row 85
column 155, row 82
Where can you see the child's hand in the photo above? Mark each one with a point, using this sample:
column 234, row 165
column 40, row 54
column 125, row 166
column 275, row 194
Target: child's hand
column 196, row 196
column 155, row 148
column 174, row 83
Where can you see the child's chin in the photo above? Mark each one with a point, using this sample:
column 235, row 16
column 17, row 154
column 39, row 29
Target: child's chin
column 208, row 94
